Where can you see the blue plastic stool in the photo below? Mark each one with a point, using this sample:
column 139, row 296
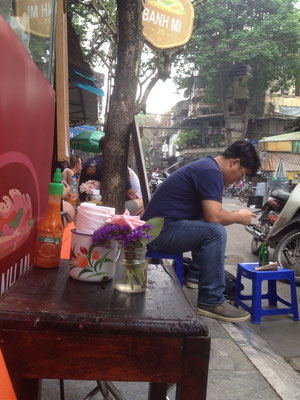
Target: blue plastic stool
column 170, row 256
column 256, row 311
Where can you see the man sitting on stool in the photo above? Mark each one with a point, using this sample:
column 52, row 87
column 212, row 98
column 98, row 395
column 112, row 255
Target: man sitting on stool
column 190, row 200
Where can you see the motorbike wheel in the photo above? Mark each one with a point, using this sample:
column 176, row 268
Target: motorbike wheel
column 228, row 194
column 287, row 252
column 255, row 246
column 243, row 196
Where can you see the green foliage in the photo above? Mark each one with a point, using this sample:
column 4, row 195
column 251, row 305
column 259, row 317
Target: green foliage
column 96, row 27
column 263, row 35
column 188, row 139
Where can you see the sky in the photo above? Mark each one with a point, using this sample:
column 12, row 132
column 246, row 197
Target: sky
column 163, row 97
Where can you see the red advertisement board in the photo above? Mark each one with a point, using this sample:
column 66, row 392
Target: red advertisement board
column 27, row 104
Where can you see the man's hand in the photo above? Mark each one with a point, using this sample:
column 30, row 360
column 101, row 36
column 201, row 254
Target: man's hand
column 214, row 212
column 245, row 216
column 66, row 192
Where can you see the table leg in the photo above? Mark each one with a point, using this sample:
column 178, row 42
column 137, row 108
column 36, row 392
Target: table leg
column 27, row 389
column 157, row 391
column 195, row 369
column 24, row 388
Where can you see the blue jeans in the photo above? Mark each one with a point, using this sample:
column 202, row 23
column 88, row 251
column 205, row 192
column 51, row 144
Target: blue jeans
column 207, row 242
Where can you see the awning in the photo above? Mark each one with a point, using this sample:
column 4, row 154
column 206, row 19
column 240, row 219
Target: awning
column 87, row 141
column 281, row 138
column 82, row 103
column 291, row 161
column 78, row 129
column 83, row 80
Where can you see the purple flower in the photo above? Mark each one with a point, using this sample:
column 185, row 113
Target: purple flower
column 103, row 236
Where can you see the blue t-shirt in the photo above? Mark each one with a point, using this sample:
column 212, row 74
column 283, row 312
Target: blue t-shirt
column 180, row 195
column 91, row 170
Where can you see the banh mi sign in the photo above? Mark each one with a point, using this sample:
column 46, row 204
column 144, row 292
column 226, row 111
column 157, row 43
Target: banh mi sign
column 168, row 23
column 34, row 16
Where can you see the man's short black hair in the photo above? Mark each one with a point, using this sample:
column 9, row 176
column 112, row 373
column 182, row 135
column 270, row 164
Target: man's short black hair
column 247, row 154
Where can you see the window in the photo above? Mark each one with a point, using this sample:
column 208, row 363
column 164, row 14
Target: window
column 33, row 23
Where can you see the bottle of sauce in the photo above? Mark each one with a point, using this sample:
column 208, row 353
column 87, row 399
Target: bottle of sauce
column 50, row 229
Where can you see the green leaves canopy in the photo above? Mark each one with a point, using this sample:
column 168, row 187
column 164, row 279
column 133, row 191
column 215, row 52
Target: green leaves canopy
column 263, row 35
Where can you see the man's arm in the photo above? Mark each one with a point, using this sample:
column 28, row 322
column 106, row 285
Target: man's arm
column 131, row 194
column 214, row 212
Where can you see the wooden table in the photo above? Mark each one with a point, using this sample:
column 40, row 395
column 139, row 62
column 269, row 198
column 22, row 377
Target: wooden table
column 52, row 326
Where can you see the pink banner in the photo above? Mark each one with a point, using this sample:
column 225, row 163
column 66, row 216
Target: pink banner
column 27, row 104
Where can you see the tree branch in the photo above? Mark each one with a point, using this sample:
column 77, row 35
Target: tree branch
column 141, row 106
column 108, row 66
column 109, row 21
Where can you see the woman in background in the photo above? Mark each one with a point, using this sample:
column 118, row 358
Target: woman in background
column 74, row 168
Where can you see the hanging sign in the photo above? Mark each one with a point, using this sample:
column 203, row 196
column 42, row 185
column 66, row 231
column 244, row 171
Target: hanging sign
column 34, row 16
column 168, row 23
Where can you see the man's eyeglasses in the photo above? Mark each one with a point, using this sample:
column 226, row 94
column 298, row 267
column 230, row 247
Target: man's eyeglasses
column 245, row 174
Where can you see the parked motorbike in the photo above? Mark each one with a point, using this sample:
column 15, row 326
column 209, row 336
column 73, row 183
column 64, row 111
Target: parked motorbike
column 155, row 182
column 248, row 190
column 232, row 191
column 270, row 212
column 279, row 227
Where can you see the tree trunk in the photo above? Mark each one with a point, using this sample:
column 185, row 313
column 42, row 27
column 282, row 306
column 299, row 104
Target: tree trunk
column 246, row 115
column 122, row 103
column 223, row 79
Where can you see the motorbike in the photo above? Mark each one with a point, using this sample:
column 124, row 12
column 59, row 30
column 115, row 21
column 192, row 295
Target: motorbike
column 232, row 191
column 279, row 227
column 155, row 182
column 246, row 191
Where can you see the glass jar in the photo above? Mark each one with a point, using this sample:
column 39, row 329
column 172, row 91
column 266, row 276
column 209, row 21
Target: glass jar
column 131, row 271
column 95, row 197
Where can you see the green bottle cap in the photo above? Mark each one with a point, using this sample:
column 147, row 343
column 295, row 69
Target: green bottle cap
column 57, row 176
column 56, row 188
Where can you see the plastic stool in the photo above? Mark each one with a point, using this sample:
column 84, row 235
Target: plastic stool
column 256, row 311
column 170, row 256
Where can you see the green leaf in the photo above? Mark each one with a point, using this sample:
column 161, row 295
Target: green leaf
column 96, row 274
column 157, row 225
column 84, row 271
column 102, row 260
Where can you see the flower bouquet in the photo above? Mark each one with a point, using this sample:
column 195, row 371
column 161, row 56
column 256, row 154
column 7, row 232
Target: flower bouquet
column 88, row 186
column 133, row 235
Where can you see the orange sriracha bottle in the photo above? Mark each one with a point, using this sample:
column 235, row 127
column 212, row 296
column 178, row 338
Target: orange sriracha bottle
column 50, row 229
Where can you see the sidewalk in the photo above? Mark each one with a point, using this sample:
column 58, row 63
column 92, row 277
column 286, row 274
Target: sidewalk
column 250, row 361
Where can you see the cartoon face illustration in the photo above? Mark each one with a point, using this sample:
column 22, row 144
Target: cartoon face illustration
column 16, row 221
